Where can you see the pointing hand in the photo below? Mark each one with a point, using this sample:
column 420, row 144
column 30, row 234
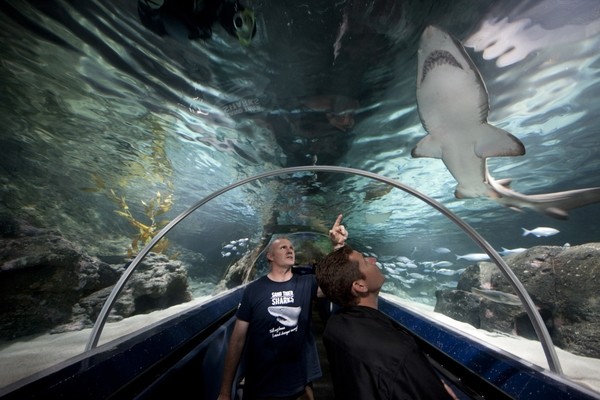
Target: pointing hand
column 338, row 233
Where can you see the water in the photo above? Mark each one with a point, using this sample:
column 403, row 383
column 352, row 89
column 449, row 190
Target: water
column 93, row 101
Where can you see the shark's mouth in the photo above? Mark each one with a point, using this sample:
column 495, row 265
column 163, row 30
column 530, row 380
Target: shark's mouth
column 286, row 316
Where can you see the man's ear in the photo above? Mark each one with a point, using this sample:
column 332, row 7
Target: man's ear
column 360, row 287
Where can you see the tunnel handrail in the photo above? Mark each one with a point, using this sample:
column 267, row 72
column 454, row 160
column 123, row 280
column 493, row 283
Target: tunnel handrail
column 530, row 308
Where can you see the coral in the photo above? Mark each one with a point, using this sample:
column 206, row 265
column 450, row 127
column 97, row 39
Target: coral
column 153, row 209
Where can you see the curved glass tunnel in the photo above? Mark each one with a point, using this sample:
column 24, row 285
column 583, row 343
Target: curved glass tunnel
column 118, row 116
column 170, row 275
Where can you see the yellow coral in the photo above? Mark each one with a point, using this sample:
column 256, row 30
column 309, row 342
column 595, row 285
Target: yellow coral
column 146, row 232
column 156, row 167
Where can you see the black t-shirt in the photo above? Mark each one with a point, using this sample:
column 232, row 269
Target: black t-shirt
column 372, row 357
column 280, row 351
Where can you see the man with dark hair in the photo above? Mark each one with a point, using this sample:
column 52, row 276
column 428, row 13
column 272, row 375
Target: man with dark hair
column 370, row 355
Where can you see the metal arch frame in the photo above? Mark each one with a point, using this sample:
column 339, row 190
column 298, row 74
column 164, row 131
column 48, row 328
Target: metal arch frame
column 534, row 315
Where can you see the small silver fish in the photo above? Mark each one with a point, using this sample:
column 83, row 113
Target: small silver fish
column 473, row 257
column 448, row 285
column 416, row 275
column 445, row 271
column 442, row 264
column 506, row 251
column 540, row 231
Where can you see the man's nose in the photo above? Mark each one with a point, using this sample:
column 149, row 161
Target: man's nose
column 371, row 260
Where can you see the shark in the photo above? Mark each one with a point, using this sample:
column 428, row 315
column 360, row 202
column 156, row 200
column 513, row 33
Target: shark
column 453, row 105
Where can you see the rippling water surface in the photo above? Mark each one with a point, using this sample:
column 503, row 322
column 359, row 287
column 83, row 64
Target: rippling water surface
column 91, row 95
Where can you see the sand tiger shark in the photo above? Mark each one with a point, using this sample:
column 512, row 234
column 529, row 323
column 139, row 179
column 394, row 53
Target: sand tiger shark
column 453, row 106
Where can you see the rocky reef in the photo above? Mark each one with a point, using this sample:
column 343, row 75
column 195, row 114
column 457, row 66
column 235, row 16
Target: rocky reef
column 562, row 282
column 48, row 284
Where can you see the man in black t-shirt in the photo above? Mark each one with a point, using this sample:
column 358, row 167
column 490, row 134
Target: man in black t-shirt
column 273, row 329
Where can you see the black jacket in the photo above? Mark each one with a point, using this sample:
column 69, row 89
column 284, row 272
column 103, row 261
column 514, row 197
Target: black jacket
column 372, row 357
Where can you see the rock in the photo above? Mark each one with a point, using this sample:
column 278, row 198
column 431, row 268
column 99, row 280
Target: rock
column 47, row 284
column 562, row 282
column 157, row 283
column 459, row 305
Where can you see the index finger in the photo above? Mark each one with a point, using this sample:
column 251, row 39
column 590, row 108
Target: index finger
column 338, row 221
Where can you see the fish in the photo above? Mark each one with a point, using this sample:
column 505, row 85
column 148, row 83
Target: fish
column 442, row 264
column 339, row 110
column 416, row 275
column 407, row 281
column 473, row 257
column 453, row 105
column 506, row 251
column 540, row 231
column 497, row 296
column 445, row 271
column 442, row 250
column 554, row 205
column 448, row 285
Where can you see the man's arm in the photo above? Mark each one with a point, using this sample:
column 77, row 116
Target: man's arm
column 338, row 235
column 232, row 358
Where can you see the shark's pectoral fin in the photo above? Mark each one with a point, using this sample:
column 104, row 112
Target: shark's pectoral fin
column 427, row 147
column 496, row 142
